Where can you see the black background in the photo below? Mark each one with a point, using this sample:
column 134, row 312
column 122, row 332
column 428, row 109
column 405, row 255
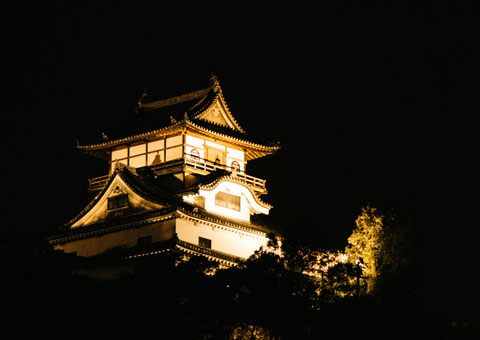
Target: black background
column 372, row 103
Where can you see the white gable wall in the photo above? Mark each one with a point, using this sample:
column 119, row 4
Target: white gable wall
column 248, row 203
column 100, row 210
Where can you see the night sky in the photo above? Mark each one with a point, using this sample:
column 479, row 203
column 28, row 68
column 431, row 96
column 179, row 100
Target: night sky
column 373, row 103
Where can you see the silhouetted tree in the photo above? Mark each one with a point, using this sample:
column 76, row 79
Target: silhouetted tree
column 398, row 283
column 340, row 282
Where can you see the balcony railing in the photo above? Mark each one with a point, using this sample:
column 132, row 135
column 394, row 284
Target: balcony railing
column 201, row 166
column 98, row 183
column 208, row 166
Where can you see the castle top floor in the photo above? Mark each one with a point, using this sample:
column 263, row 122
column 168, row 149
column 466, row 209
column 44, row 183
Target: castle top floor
column 201, row 114
column 196, row 127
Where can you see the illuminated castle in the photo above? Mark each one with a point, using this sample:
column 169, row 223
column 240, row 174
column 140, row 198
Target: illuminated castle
column 177, row 179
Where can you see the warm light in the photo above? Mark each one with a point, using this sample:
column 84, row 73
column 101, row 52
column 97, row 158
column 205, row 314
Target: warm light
column 249, row 204
column 342, row 258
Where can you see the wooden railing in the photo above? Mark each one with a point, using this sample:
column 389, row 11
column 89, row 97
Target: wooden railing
column 208, row 166
column 98, row 183
column 201, row 165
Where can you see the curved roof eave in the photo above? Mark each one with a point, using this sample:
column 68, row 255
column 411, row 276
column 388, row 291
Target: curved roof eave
column 122, row 173
column 216, row 183
column 186, row 123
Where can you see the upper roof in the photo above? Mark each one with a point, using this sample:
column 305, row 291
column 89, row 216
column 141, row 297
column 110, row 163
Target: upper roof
column 198, row 102
column 203, row 111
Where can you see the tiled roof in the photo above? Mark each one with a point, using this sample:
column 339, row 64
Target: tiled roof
column 202, row 214
column 141, row 186
column 111, row 225
column 169, row 115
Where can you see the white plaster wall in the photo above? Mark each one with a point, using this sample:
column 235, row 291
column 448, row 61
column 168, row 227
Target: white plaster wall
column 227, row 240
column 96, row 245
column 248, row 204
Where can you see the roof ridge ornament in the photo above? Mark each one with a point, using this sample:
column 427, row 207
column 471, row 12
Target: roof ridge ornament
column 140, row 101
column 215, row 83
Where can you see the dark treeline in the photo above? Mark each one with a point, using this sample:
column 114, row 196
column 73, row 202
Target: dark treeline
column 267, row 297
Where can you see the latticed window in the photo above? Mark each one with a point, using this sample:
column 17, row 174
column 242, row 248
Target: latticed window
column 204, row 242
column 215, row 156
column 117, row 202
column 226, row 200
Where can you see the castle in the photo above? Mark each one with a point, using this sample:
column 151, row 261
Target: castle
column 177, row 179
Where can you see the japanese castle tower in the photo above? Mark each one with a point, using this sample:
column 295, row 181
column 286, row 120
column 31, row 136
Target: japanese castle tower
column 177, row 179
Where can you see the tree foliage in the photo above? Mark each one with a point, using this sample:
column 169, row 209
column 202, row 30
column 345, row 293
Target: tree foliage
column 307, row 293
column 366, row 243
column 340, row 282
column 388, row 245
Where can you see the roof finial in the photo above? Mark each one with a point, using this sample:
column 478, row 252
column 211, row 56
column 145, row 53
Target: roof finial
column 140, row 100
column 215, row 83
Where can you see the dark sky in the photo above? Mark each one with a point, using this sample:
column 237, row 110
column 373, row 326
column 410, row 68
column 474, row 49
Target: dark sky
column 371, row 103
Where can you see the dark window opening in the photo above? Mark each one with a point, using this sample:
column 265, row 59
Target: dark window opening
column 117, row 202
column 204, row 242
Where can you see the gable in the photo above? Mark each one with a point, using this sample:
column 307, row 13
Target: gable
column 219, row 114
column 231, row 198
column 118, row 199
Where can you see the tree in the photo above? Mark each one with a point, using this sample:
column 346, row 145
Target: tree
column 366, row 243
column 398, row 281
column 339, row 283
column 388, row 244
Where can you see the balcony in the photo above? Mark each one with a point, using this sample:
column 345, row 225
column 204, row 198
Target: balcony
column 198, row 166
column 98, row 183
column 205, row 167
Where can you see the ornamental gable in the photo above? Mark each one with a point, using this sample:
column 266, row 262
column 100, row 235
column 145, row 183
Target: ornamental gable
column 229, row 197
column 117, row 199
column 218, row 113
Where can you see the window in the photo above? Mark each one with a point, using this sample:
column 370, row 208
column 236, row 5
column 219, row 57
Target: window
column 226, row 200
column 195, row 155
column 204, row 242
column 117, row 202
column 215, row 156
column 235, row 166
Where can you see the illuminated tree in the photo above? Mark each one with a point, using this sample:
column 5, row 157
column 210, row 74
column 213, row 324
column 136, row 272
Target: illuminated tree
column 366, row 243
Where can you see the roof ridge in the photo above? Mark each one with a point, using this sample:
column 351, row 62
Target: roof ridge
column 172, row 100
column 218, row 95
